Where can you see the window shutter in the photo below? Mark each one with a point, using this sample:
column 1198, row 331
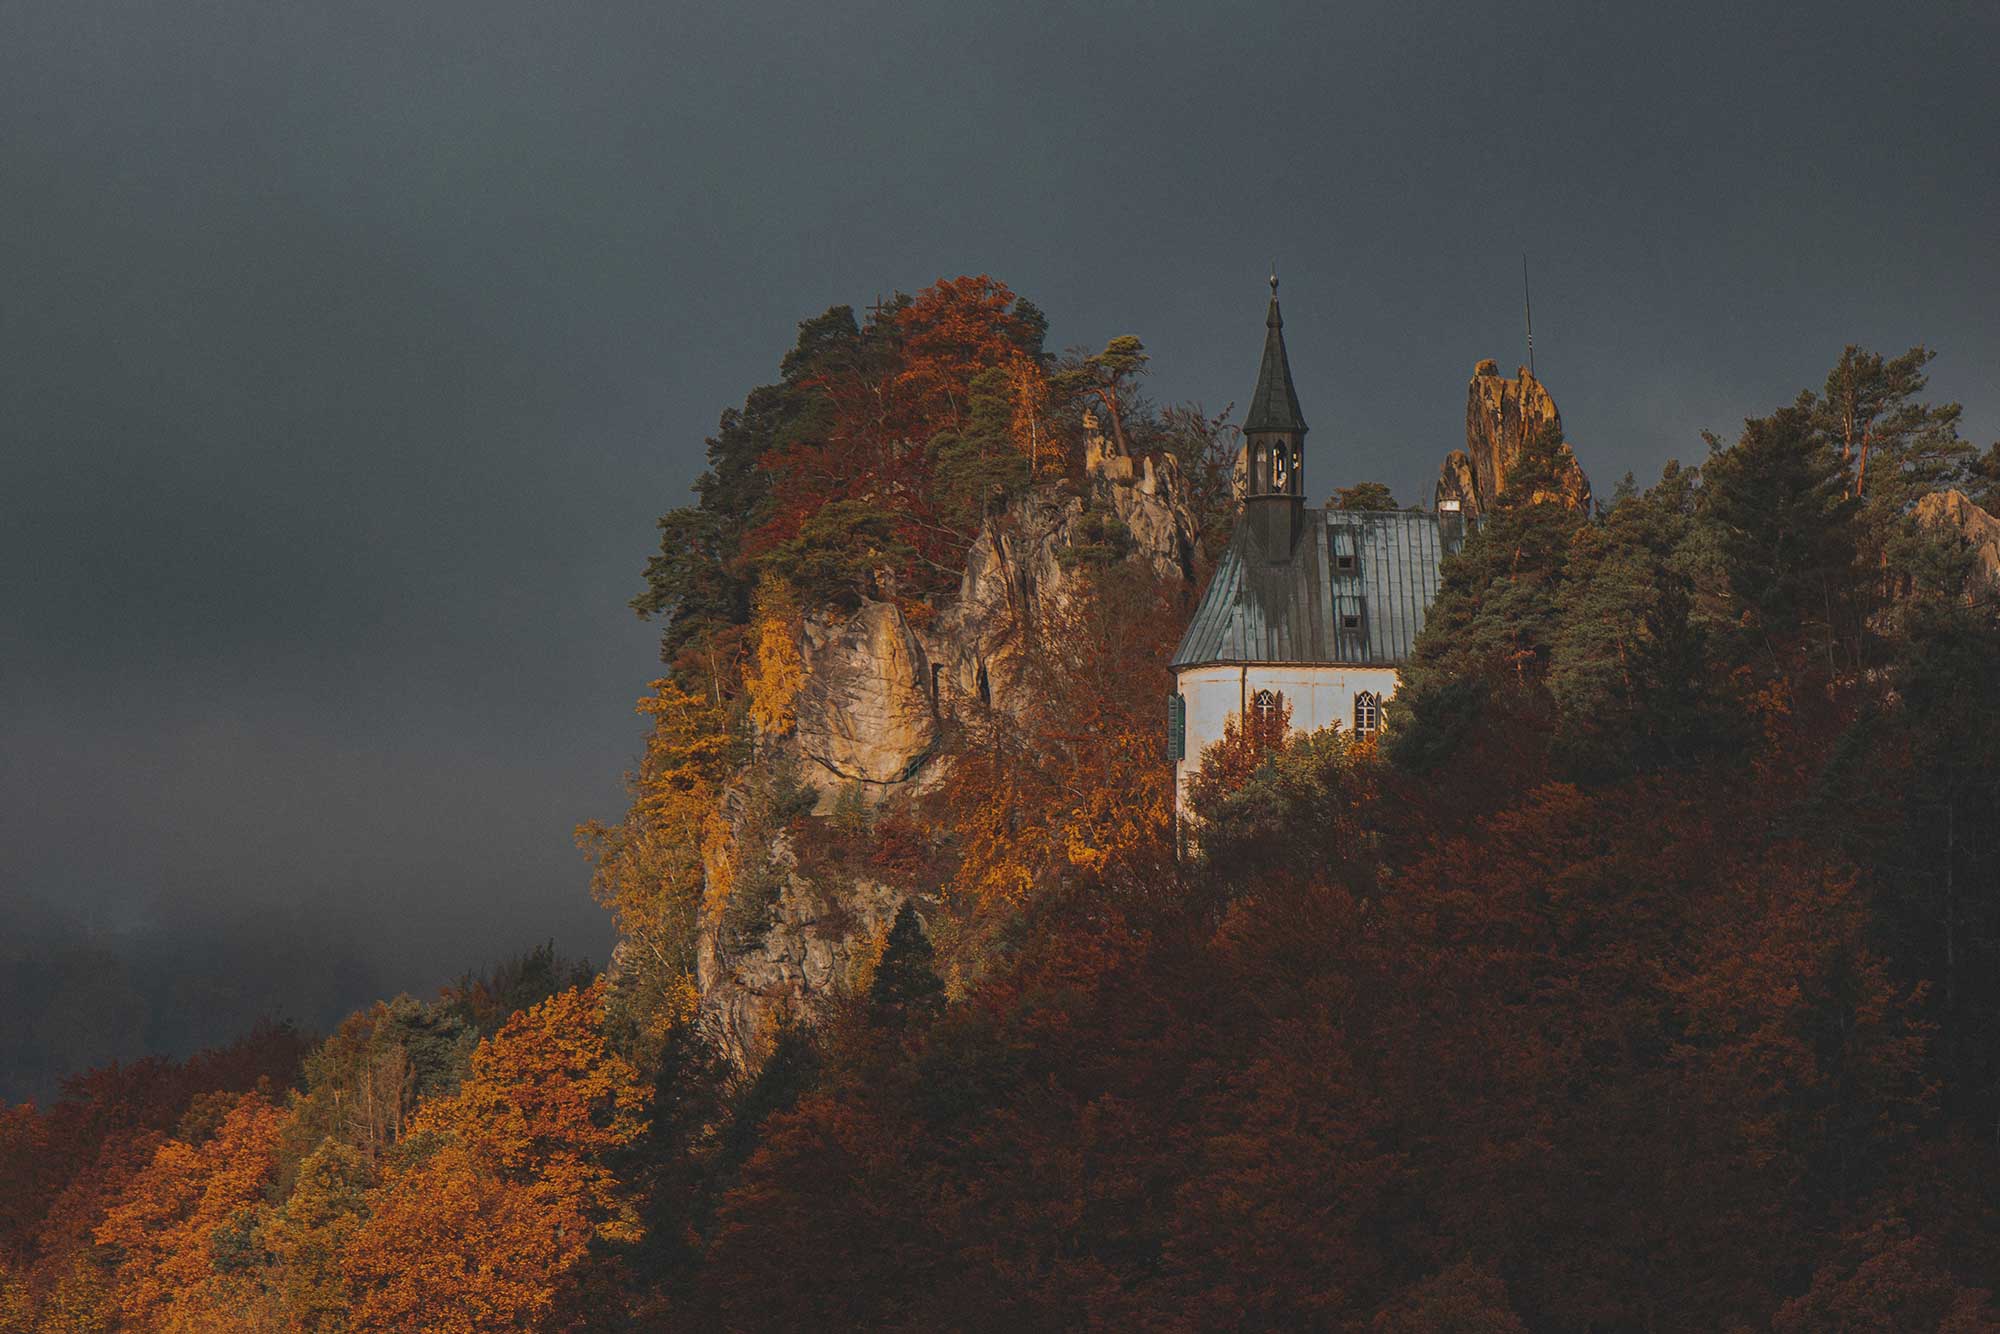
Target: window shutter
column 1176, row 727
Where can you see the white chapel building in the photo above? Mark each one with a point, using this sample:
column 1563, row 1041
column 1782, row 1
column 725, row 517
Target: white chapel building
column 1309, row 607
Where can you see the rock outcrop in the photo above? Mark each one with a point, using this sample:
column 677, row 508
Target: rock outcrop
column 879, row 685
column 864, row 714
column 1955, row 512
column 1500, row 417
column 815, row 946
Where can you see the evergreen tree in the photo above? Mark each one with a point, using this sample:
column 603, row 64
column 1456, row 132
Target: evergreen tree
column 906, row 985
column 1778, row 512
column 1491, row 632
column 1629, row 664
column 697, row 582
column 1983, row 482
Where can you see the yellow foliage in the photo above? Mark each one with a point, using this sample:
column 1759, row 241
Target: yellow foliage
column 308, row 1235
column 80, row 1302
column 718, row 857
column 776, row 672
column 1028, row 384
column 648, row 867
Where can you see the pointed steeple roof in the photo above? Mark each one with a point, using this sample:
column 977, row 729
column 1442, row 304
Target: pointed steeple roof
column 1275, row 404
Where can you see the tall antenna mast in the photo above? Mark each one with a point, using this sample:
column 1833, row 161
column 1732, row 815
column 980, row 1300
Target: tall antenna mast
column 1528, row 310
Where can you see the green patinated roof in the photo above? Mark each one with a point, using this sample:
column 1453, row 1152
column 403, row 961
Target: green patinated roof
column 1275, row 404
column 1257, row 610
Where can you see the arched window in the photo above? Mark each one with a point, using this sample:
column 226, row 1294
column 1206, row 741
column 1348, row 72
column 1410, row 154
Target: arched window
column 1279, row 468
column 1367, row 713
column 1266, row 704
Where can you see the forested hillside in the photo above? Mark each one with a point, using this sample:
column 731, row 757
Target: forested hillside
column 1644, row 975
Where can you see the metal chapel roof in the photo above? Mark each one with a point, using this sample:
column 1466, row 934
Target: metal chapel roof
column 1313, row 609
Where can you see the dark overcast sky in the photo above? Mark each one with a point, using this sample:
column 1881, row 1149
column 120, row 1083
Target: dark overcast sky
column 349, row 350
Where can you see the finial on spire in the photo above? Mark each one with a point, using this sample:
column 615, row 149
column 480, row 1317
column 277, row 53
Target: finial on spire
column 1274, row 405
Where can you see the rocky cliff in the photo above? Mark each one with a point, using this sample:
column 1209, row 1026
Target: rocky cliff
column 880, row 682
column 1500, row 416
column 1954, row 511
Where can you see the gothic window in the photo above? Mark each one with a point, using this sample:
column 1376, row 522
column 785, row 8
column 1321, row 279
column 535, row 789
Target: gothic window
column 1278, row 468
column 1266, row 703
column 1367, row 713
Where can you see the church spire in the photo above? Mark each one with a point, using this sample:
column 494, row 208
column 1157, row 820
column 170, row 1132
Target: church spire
column 1274, row 448
column 1275, row 404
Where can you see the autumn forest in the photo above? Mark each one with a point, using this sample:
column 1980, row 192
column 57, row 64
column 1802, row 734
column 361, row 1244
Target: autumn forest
column 1643, row 973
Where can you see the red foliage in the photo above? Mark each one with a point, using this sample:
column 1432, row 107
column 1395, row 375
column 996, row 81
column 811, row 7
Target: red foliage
column 909, row 379
column 61, row 1167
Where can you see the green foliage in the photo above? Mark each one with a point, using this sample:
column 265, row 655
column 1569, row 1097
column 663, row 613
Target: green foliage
column 517, row 983
column 790, row 1071
column 775, row 794
column 1362, row 496
column 979, row 469
column 1302, row 813
column 1777, row 510
column 363, row 1082
column 1629, row 666
column 1108, row 382
column 236, row 1246
column 906, row 987
column 1499, row 606
column 839, row 552
column 1895, row 448
column 1097, row 538
column 1983, row 483
column 696, row 582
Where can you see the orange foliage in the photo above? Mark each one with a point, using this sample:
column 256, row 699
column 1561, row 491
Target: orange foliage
column 1066, row 782
column 167, row 1222
column 954, row 329
column 1246, row 743
column 506, row 1183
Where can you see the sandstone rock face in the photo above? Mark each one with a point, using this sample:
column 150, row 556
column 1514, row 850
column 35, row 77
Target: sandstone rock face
column 1500, row 416
column 876, row 691
column 864, row 713
column 1954, row 511
column 876, row 686
column 813, row 950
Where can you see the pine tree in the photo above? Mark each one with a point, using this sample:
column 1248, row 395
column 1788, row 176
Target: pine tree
column 906, row 986
column 1777, row 510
